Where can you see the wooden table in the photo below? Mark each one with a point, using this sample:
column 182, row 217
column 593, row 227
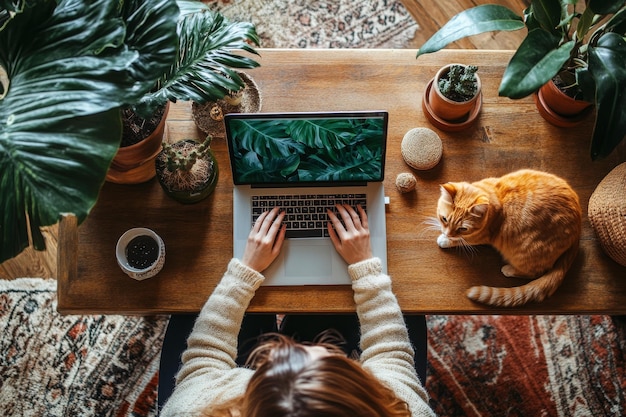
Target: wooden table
column 508, row 135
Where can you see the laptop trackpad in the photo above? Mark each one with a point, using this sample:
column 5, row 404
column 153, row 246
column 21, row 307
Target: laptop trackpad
column 305, row 260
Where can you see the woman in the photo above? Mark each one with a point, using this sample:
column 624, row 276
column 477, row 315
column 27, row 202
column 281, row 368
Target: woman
column 293, row 379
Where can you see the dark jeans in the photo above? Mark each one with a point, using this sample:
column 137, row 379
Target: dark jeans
column 303, row 328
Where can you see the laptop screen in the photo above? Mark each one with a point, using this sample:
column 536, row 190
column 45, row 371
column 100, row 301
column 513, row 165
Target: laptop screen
column 307, row 148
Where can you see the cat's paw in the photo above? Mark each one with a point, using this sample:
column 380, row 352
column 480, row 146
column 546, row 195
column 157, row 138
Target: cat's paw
column 444, row 242
column 509, row 271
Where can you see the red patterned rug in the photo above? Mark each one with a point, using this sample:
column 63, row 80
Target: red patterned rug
column 527, row 365
column 53, row 365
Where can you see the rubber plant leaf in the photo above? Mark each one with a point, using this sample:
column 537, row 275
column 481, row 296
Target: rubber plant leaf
column 546, row 14
column 605, row 6
column 536, row 61
column 479, row 19
column 617, row 22
column 607, row 65
column 69, row 69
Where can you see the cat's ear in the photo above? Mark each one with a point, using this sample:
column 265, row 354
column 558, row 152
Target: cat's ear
column 448, row 192
column 480, row 207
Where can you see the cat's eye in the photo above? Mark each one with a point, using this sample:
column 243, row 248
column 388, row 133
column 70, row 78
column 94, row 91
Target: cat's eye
column 462, row 229
column 444, row 220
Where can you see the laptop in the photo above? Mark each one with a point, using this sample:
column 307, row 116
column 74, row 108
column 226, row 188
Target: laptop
column 302, row 162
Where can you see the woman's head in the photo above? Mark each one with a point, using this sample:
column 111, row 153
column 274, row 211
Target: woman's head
column 294, row 380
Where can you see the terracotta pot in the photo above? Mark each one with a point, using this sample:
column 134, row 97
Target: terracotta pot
column 446, row 108
column 189, row 196
column 558, row 108
column 135, row 164
column 447, row 114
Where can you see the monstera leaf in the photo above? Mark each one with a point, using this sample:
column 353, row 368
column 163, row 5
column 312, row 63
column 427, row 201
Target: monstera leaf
column 325, row 133
column 69, row 66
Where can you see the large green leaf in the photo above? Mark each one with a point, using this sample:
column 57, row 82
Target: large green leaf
column 358, row 163
column 546, row 14
column 605, row 6
column 70, row 67
column 267, row 138
column 607, row 65
column 536, row 61
column 210, row 46
column 617, row 22
column 479, row 19
column 323, row 133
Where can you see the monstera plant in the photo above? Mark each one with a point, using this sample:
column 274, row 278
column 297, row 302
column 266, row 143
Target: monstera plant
column 67, row 67
column 584, row 46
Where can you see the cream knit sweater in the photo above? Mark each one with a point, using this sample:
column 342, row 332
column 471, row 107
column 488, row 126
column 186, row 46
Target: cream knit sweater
column 209, row 373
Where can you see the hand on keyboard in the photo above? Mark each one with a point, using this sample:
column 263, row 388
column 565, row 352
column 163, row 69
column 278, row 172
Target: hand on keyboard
column 305, row 214
column 265, row 240
column 352, row 237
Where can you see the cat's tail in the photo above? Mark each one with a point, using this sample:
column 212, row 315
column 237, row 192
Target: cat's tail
column 535, row 291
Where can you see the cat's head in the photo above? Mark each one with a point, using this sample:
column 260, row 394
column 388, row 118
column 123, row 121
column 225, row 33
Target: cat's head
column 461, row 210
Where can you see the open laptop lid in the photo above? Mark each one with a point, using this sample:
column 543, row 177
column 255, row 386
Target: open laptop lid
column 307, row 148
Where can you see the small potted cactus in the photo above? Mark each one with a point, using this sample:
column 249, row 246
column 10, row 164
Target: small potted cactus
column 453, row 97
column 187, row 170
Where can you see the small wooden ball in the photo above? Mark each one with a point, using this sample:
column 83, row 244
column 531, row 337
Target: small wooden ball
column 421, row 148
column 406, row 182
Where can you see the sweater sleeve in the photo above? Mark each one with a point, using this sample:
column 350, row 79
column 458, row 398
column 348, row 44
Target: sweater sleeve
column 386, row 349
column 209, row 372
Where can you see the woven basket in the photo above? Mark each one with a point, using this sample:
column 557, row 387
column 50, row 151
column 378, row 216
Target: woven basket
column 607, row 213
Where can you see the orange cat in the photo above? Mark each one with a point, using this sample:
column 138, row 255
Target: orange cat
column 532, row 218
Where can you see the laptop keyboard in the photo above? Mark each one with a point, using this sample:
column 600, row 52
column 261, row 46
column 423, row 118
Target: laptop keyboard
column 305, row 214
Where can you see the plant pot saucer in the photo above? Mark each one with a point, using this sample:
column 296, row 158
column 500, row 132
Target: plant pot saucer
column 214, row 126
column 556, row 119
column 446, row 125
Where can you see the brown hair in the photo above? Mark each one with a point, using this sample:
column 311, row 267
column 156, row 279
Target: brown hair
column 288, row 383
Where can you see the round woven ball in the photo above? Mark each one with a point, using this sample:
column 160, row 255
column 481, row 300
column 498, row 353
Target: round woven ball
column 421, row 148
column 607, row 213
column 406, row 182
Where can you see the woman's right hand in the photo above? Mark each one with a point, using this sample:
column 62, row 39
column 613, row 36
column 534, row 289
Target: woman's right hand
column 265, row 240
column 351, row 241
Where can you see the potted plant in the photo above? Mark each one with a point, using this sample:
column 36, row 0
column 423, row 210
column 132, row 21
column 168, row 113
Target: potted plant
column 453, row 97
column 187, row 170
column 208, row 50
column 583, row 49
column 69, row 67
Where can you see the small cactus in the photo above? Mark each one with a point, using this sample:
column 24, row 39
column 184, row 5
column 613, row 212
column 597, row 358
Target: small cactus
column 186, row 165
column 182, row 159
column 459, row 84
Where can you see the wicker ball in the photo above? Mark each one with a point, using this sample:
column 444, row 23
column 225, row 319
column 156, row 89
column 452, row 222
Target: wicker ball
column 406, row 182
column 607, row 213
column 421, row 148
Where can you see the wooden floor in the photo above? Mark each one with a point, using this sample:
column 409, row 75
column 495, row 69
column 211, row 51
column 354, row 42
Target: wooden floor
column 429, row 14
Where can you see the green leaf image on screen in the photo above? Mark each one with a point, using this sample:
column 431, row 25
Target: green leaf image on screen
column 307, row 150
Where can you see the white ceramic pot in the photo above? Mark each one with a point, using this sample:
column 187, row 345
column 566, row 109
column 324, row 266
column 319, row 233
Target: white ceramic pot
column 140, row 253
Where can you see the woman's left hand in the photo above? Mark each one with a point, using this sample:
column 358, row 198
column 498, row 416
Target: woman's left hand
column 265, row 240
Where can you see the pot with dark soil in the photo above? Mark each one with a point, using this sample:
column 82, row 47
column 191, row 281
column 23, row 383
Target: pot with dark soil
column 141, row 143
column 209, row 49
column 561, row 105
column 140, row 253
column 187, row 170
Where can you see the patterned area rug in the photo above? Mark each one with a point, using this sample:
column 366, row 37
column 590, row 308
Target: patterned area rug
column 324, row 24
column 53, row 365
column 527, row 365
